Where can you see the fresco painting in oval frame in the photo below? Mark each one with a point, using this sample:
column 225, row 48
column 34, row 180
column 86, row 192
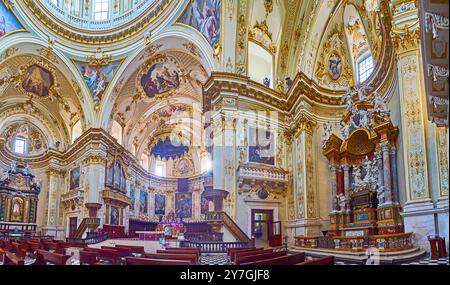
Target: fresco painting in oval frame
column 335, row 66
column 161, row 77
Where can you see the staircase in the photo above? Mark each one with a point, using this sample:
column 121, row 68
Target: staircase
column 222, row 219
column 87, row 223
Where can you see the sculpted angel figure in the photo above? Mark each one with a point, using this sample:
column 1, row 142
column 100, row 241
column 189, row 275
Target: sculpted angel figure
column 362, row 94
column 5, row 177
column 380, row 106
column 327, row 129
column 13, row 166
column 380, row 194
column 342, row 202
column 345, row 130
column 357, row 175
column 364, row 119
column 347, row 98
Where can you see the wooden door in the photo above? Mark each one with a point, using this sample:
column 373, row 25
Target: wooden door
column 276, row 239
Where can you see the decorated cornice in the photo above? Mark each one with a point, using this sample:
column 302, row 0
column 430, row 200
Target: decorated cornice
column 158, row 10
column 405, row 39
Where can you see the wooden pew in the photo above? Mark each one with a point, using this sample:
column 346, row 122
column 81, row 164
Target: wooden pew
column 191, row 258
column 182, row 252
column 2, row 254
column 12, row 259
column 248, row 253
column 109, row 255
column 20, row 249
column 148, row 261
column 283, row 260
column 327, row 260
column 43, row 257
column 87, row 257
column 233, row 252
column 51, row 246
column 258, row 257
column 134, row 249
column 121, row 251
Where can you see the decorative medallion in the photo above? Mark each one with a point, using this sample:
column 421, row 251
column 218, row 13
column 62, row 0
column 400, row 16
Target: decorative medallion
column 334, row 66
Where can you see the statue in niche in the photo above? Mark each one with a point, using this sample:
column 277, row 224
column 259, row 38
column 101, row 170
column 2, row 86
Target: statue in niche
column 13, row 166
column 345, row 130
column 380, row 194
column 342, row 202
column 327, row 129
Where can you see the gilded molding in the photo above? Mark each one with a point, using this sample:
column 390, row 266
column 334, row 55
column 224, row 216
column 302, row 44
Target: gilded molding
column 405, row 40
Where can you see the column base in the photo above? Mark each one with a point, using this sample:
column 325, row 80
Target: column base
column 304, row 227
column 442, row 215
column 418, row 218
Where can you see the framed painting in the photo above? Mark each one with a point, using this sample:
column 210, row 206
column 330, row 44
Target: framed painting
column 160, row 204
column 38, row 80
column 75, row 178
column 159, row 78
column 114, row 220
column 183, row 205
column 334, row 66
column 261, row 146
column 143, row 202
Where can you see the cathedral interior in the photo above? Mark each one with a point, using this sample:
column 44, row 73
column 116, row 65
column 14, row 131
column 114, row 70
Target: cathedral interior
column 244, row 132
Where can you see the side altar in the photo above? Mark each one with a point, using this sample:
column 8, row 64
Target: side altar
column 362, row 163
column 19, row 191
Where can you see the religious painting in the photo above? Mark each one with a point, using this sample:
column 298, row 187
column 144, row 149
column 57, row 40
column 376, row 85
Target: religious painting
column 97, row 77
column 160, row 204
column 261, row 146
column 334, row 67
column 160, row 78
column 204, row 16
column 17, row 210
column 38, row 80
column 183, row 205
column 117, row 173
column 114, row 219
column 132, row 196
column 143, row 202
column 75, row 178
column 184, row 167
column 204, row 205
column 8, row 22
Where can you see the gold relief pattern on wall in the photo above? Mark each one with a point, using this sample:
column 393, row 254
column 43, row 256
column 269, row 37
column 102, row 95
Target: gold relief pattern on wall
column 442, row 152
column 310, row 187
column 414, row 128
column 299, row 191
column 241, row 39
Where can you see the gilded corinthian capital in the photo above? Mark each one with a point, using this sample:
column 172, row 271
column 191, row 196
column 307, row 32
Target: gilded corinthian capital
column 405, row 39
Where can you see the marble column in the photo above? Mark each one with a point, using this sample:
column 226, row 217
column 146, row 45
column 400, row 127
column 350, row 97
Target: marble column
column 333, row 186
column 347, row 184
column 340, row 180
column 385, row 149
column 379, row 159
column 52, row 226
column 395, row 195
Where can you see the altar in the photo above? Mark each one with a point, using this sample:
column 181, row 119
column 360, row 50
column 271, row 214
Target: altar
column 170, row 229
column 150, row 235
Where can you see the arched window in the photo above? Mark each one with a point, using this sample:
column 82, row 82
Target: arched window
column 20, row 145
column 160, row 168
column 260, row 64
column 365, row 67
column 101, row 9
column 116, row 131
column 144, row 161
column 76, row 131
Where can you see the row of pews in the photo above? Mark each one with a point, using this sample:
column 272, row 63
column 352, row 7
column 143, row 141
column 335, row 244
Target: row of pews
column 42, row 251
column 261, row 256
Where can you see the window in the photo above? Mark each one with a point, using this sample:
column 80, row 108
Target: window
column 365, row 68
column 20, row 145
column 76, row 131
column 160, row 168
column 144, row 161
column 101, row 8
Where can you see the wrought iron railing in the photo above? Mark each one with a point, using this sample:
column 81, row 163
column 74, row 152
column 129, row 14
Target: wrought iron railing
column 213, row 247
column 90, row 240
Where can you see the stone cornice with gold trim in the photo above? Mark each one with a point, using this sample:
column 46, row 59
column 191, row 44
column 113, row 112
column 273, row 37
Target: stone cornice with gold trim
column 405, row 39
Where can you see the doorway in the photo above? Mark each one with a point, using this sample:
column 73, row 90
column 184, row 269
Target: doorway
column 262, row 229
column 72, row 226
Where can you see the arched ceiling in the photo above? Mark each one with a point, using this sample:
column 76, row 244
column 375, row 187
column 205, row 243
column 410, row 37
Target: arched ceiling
column 54, row 103
column 144, row 114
